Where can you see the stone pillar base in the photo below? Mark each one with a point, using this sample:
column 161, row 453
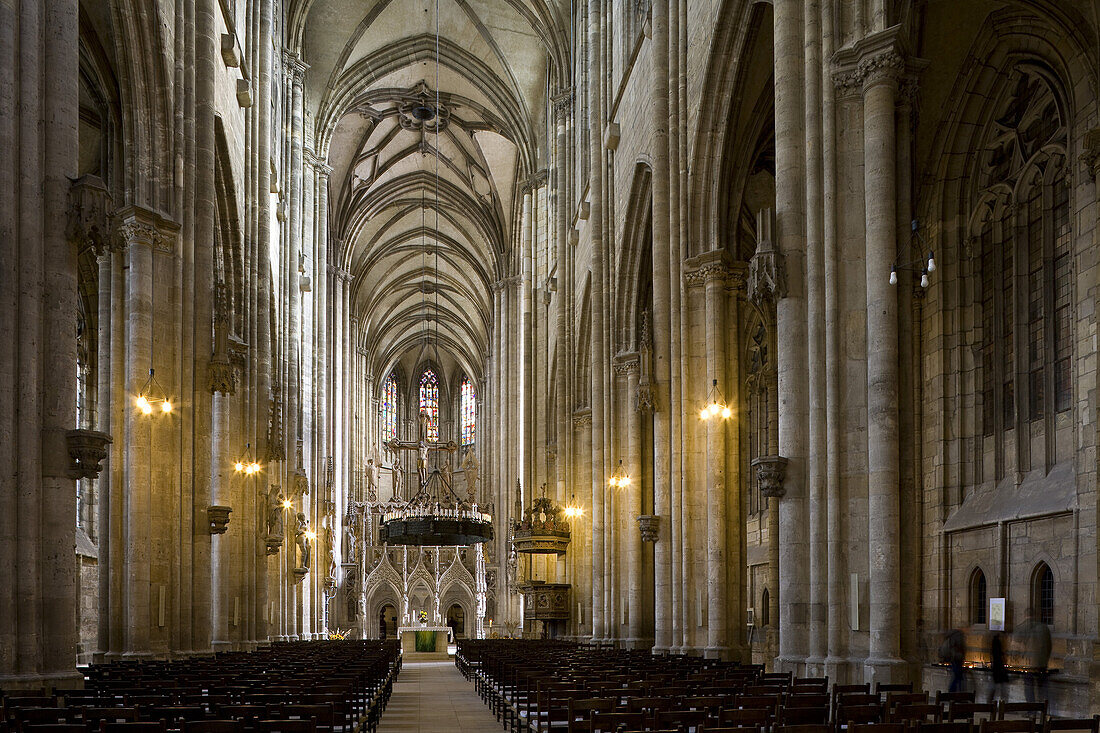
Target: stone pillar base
column 222, row 646
column 838, row 670
column 815, row 666
column 885, row 670
column 44, row 681
column 794, row 664
column 717, row 652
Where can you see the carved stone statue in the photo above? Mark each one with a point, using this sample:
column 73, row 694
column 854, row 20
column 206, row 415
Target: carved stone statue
column 398, row 474
column 302, row 541
column 469, row 469
column 349, row 542
column 274, row 518
column 372, row 480
column 422, row 426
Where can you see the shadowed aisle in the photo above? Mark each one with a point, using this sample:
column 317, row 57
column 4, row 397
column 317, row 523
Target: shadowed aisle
column 433, row 697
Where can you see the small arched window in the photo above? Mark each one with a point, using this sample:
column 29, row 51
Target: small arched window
column 765, row 608
column 429, row 402
column 389, row 408
column 1042, row 594
column 467, row 411
column 979, row 597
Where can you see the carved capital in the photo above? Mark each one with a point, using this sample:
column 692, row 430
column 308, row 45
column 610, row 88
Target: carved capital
column 89, row 224
column 219, row 518
column 581, row 418
column 139, row 226
column 626, row 364
column 885, row 67
column 221, row 376
column 87, row 448
column 562, row 102
column 770, row 473
column 649, row 525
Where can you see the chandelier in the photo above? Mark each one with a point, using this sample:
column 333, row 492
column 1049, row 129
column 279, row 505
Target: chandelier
column 715, row 405
column 923, row 265
column 436, row 516
column 152, row 397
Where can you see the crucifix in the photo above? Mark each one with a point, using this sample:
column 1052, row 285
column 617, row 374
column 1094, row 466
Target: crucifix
column 423, row 447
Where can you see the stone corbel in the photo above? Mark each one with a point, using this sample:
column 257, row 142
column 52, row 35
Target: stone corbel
column 219, row 518
column 221, row 376
column 231, row 57
column 767, row 281
column 274, row 543
column 1090, row 159
column 770, row 473
column 89, row 222
column 650, row 527
column 244, row 93
column 86, row 449
column 611, row 136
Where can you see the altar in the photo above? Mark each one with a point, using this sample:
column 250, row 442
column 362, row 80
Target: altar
column 430, row 639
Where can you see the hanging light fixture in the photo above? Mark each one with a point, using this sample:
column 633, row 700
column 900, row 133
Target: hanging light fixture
column 436, row 515
column 924, row 265
column 246, row 464
column 620, row 479
column 715, row 405
column 152, row 397
column 573, row 510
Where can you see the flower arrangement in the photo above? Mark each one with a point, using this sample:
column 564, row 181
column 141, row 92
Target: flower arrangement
column 423, row 617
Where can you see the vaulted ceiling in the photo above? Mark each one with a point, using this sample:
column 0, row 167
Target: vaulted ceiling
column 431, row 114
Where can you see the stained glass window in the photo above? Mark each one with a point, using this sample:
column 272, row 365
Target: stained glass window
column 429, row 402
column 389, row 408
column 467, row 411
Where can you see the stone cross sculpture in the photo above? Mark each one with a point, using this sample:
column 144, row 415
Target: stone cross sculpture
column 302, row 540
column 423, row 447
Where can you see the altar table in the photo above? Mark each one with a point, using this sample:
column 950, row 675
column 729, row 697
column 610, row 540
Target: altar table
column 408, row 636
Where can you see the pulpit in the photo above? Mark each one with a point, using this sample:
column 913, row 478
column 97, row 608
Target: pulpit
column 424, row 639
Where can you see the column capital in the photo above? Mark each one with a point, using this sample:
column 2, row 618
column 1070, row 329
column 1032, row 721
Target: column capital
column 294, row 65
column 625, row 362
column 136, row 225
column 221, row 376
column 561, row 101
column 879, row 58
column 715, row 266
column 582, row 418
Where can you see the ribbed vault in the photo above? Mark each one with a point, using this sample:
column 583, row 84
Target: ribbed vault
column 431, row 114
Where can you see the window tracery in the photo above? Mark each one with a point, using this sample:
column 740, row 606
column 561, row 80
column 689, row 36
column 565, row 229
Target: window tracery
column 429, row 402
column 467, row 412
column 389, row 408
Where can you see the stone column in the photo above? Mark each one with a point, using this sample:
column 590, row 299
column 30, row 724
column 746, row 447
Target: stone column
column 791, row 333
column 629, row 539
column 714, row 279
column 880, row 70
column 222, row 383
column 816, row 324
column 597, row 306
column 662, row 330
column 38, row 303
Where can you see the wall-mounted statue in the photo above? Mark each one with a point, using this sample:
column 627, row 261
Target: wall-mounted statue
column 302, row 540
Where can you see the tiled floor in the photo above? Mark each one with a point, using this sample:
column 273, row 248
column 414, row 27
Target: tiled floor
column 432, row 697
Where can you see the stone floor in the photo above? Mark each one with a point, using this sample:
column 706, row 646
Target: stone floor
column 432, row 697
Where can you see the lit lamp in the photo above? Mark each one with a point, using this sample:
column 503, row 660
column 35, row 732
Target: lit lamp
column 152, row 397
column 620, row 479
column 925, row 265
column 288, row 504
column 572, row 509
column 715, row 405
column 246, row 465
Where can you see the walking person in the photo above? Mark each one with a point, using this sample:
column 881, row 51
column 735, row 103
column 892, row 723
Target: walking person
column 1035, row 636
column 997, row 670
column 952, row 653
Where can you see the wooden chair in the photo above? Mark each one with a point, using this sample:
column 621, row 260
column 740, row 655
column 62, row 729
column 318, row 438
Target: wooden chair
column 175, row 713
column 791, row 716
column 756, row 717
column 212, row 726
column 958, row 696
column 819, row 728
column 916, row 713
column 55, row 728
column 1009, row 726
column 580, row 711
column 1083, row 725
column 893, row 699
column 969, row 711
column 877, row 728
column 286, row 726
column 142, row 726
column 688, row 720
column 1036, row 711
column 808, row 701
column 43, row 716
column 955, row 727
column 856, row 714
column 887, row 687
column 94, row 716
column 611, row 722
column 802, row 685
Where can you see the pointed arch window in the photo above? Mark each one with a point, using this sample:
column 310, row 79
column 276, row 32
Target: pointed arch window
column 979, row 596
column 1042, row 594
column 389, row 408
column 468, row 411
column 1023, row 262
column 429, row 402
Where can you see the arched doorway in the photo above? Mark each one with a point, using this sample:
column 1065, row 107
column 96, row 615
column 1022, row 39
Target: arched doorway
column 387, row 622
column 456, row 619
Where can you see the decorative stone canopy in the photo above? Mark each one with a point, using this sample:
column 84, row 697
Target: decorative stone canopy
column 650, row 526
column 543, row 529
column 770, row 472
column 86, row 449
column 219, row 518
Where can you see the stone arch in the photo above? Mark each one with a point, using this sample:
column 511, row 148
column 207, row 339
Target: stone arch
column 634, row 258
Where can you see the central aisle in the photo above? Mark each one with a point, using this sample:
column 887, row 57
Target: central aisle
column 432, row 697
